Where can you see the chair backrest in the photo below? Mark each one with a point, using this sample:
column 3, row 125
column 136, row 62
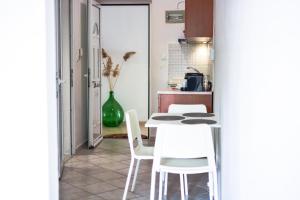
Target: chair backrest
column 133, row 129
column 184, row 108
column 184, row 141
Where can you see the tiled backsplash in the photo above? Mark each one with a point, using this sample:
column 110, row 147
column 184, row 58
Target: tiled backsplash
column 181, row 56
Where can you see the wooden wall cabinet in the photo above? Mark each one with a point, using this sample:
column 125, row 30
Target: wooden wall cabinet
column 198, row 18
column 164, row 100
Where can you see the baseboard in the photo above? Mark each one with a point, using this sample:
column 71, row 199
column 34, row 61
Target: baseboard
column 80, row 145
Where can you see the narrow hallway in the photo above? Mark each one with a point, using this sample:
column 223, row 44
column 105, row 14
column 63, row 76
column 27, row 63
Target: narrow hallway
column 100, row 174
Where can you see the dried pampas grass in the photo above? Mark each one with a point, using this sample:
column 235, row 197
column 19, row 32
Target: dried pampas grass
column 104, row 54
column 128, row 55
column 113, row 73
column 109, row 64
column 116, row 71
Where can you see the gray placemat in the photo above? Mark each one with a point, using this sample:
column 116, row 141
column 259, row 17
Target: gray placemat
column 198, row 114
column 198, row 121
column 168, row 118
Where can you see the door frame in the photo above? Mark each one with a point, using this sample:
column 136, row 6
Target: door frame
column 60, row 79
column 72, row 104
column 58, row 88
column 149, row 47
column 93, row 142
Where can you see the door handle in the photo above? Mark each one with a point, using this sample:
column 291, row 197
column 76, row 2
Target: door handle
column 60, row 81
column 96, row 83
column 79, row 55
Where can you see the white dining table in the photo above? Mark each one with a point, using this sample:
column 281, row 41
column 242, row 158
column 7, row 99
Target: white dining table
column 152, row 123
column 216, row 131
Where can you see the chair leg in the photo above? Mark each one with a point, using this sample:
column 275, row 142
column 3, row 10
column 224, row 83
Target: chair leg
column 128, row 178
column 186, row 189
column 182, row 187
column 152, row 190
column 161, row 174
column 215, row 186
column 166, row 184
column 210, row 185
column 135, row 175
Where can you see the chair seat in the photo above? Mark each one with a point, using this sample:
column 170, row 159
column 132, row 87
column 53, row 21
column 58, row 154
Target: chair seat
column 183, row 150
column 186, row 166
column 143, row 152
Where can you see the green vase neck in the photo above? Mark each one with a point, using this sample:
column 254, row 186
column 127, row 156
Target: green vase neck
column 111, row 94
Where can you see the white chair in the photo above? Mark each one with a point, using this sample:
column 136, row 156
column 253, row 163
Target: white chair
column 186, row 108
column 139, row 151
column 184, row 149
column 183, row 108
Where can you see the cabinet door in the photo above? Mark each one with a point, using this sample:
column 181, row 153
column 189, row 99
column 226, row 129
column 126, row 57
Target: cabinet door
column 198, row 18
column 167, row 99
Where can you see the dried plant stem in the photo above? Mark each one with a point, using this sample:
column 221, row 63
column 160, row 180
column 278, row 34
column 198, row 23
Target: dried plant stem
column 110, row 83
column 116, row 80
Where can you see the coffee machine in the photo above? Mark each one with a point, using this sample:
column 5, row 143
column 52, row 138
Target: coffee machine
column 194, row 82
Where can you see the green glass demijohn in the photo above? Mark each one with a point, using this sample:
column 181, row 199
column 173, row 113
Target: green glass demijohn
column 112, row 112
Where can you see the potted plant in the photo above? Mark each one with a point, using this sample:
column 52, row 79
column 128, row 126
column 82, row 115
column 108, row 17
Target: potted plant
column 112, row 111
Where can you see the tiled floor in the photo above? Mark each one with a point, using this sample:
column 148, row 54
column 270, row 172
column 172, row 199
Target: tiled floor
column 100, row 174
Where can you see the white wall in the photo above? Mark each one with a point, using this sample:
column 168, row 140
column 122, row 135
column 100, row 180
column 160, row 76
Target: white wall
column 29, row 168
column 125, row 28
column 257, row 79
column 161, row 35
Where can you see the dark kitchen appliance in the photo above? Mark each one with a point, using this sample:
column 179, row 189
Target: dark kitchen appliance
column 194, row 82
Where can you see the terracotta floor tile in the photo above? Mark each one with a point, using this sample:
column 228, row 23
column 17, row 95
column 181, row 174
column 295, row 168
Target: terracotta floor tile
column 108, row 176
column 98, row 188
column 81, row 181
column 117, row 195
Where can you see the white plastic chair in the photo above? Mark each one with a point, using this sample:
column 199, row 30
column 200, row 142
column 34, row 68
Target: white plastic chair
column 139, row 151
column 183, row 108
column 187, row 108
column 191, row 154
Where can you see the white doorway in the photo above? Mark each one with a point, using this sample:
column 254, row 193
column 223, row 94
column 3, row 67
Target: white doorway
column 126, row 28
column 86, row 74
column 80, row 76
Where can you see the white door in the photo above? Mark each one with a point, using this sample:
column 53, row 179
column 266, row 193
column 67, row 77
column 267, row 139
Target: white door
column 94, row 64
column 60, row 82
column 65, row 62
column 63, row 81
column 79, row 74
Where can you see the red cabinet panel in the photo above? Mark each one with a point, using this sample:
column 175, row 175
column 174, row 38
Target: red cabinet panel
column 198, row 18
column 164, row 100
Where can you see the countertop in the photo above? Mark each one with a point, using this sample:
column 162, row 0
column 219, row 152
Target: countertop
column 176, row 91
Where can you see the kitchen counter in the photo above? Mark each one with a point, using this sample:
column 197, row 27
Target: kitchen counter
column 166, row 97
column 176, row 91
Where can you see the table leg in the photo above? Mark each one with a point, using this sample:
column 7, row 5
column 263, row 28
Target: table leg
column 149, row 134
column 152, row 131
column 217, row 145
